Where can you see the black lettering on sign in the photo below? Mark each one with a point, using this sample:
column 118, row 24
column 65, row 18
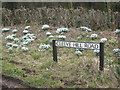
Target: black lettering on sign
column 92, row 46
column 97, row 46
column 80, row 44
column 86, row 45
column 73, row 44
column 67, row 44
column 83, row 45
column 76, row 45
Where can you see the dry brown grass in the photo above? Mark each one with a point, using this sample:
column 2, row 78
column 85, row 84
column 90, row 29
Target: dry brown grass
column 95, row 19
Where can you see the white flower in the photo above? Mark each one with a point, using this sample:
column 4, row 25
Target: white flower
column 93, row 36
column 85, row 29
column 9, row 44
column 16, row 39
column 44, row 46
column 25, row 43
column 9, row 37
column 62, row 30
column 24, row 48
column 117, row 31
column 13, row 35
column 15, row 31
column 103, row 40
column 10, row 49
column 14, row 45
column 28, row 38
column 25, row 31
column 48, row 33
column 79, row 49
column 59, row 32
column 27, row 27
column 109, row 60
column 5, row 29
column 61, row 37
column 45, row 27
column 96, row 51
column 116, row 50
column 78, row 52
column 51, row 36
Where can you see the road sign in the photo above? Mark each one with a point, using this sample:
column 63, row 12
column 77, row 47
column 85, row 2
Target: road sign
column 82, row 45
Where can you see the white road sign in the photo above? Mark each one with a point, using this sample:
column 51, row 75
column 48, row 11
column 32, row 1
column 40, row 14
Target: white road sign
column 82, row 45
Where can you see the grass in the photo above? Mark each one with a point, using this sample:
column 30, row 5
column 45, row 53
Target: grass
column 69, row 72
column 36, row 56
column 41, row 82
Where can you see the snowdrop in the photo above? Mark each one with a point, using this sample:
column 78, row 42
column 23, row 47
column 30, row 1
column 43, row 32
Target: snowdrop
column 15, row 31
column 31, row 36
column 10, row 49
column 93, row 36
column 96, row 52
column 62, row 30
column 51, row 36
column 79, row 49
column 25, row 31
column 59, row 32
column 24, row 48
column 10, row 37
column 103, row 40
column 109, row 60
column 61, row 37
column 9, row 44
column 28, row 38
column 27, row 27
column 45, row 27
column 5, row 29
column 116, row 50
column 16, row 39
column 48, row 33
column 14, row 45
column 77, row 52
column 44, row 46
column 13, row 35
column 117, row 31
column 85, row 29
column 25, row 43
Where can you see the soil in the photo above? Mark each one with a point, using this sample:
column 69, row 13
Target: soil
column 28, row 70
column 10, row 82
column 14, row 62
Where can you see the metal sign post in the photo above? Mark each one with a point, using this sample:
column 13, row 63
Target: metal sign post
column 54, row 51
column 101, row 66
column 82, row 45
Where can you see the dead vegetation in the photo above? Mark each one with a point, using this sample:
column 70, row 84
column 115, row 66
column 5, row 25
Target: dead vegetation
column 95, row 19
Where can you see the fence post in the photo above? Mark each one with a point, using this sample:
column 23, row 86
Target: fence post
column 101, row 66
column 54, row 51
